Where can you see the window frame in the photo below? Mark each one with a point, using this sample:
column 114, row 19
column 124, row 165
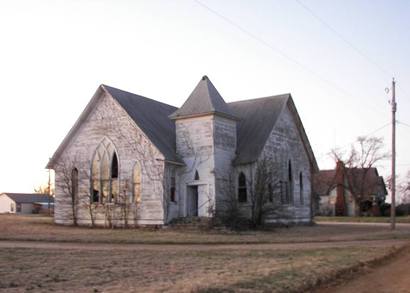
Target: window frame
column 289, row 193
column 101, row 171
column 301, row 189
column 242, row 188
column 172, row 189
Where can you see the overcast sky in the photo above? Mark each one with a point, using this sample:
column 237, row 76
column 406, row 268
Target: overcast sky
column 335, row 57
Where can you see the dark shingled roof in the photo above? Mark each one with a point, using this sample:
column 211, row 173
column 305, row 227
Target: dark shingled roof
column 29, row 197
column 324, row 181
column 204, row 99
column 256, row 120
column 373, row 183
column 152, row 117
column 357, row 179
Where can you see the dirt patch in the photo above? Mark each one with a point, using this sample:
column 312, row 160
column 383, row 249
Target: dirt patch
column 390, row 276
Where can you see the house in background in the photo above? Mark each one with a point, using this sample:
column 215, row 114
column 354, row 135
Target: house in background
column 25, row 203
column 349, row 191
column 161, row 162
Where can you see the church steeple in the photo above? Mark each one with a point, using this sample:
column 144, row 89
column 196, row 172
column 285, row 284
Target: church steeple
column 205, row 99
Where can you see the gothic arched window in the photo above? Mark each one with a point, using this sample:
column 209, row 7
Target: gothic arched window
column 114, row 166
column 104, row 173
column 196, row 175
column 74, row 184
column 173, row 187
column 301, row 187
column 290, row 183
column 242, row 192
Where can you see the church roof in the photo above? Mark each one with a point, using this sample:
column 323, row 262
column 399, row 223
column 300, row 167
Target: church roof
column 205, row 99
column 152, row 117
column 256, row 120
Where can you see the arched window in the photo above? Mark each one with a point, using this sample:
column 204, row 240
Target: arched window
column 114, row 183
column 74, row 184
column 172, row 190
column 301, row 187
column 242, row 193
column 95, row 178
column 114, row 166
column 104, row 173
column 290, row 183
column 196, row 175
column 136, row 182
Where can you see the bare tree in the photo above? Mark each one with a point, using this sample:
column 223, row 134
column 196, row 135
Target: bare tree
column 151, row 167
column 71, row 173
column 68, row 184
column 44, row 189
column 363, row 155
column 404, row 189
column 264, row 191
column 126, row 205
column 229, row 212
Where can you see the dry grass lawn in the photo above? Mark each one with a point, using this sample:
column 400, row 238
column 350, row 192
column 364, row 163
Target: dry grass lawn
column 403, row 219
column 42, row 229
column 174, row 268
column 252, row 270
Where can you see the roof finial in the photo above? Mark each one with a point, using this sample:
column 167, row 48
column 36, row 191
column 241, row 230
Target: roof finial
column 205, row 77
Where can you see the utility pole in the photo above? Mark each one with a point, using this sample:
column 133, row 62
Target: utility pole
column 393, row 158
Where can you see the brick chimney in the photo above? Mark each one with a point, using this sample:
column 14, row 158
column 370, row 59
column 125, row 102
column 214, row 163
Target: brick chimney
column 340, row 206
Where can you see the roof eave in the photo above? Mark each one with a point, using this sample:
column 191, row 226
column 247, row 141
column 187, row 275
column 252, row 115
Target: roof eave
column 303, row 135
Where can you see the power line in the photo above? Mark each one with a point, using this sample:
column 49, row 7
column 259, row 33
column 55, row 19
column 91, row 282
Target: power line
column 349, row 144
column 402, row 123
column 346, row 41
column 281, row 53
column 378, row 129
column 383, row 70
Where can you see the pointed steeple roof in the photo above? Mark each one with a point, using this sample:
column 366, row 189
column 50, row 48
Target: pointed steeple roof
column 205, row 99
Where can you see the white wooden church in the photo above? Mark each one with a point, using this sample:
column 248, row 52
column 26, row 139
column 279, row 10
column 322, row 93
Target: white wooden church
column 163, row 162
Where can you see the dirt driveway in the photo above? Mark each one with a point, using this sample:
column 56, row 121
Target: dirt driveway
column 392, row 277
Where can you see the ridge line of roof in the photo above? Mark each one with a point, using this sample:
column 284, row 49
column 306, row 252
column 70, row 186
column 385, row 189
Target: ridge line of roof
column 287, row 95
column 209, row 93
column 140, row 96
column 284, row 95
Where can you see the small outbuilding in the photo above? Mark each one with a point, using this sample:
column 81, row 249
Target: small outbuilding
column 25, row 203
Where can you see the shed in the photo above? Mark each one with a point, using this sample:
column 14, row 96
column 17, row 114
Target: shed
column 25, row 203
